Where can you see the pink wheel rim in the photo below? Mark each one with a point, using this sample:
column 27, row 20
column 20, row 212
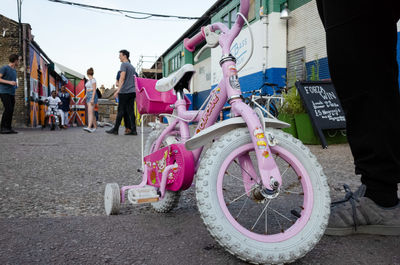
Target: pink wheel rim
column 307, row 200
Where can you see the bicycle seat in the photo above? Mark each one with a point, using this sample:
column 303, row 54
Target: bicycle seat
column 178, row 80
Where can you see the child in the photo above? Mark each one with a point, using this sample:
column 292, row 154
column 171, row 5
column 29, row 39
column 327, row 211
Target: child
column 54, row 102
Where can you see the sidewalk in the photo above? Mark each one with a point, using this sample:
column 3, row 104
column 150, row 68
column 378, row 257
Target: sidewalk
column 51, row 207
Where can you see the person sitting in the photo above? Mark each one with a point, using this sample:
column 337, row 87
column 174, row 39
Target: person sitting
column 53, row 103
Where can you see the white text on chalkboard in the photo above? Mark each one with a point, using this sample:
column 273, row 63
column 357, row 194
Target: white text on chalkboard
column 321, row 91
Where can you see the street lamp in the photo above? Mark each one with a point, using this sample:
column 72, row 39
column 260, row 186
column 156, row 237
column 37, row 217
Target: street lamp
column 285, row 12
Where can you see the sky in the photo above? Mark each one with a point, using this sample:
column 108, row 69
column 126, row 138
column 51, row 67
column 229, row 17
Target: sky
column 80, row 38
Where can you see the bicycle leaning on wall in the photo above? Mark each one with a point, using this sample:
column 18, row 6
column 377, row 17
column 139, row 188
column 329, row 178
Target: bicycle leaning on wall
column 268, row 103
column 261, row 193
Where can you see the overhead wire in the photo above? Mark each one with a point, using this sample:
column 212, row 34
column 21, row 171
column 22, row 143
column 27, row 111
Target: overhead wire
column 122, row 11
column 122, row 14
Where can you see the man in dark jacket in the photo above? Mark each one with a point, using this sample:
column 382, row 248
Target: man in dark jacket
column 65, row 100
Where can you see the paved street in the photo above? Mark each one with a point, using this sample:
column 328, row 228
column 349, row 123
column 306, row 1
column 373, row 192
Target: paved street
column 51, row 208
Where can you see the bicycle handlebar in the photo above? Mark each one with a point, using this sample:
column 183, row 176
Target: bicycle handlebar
column 190, row 44
column 252, row 91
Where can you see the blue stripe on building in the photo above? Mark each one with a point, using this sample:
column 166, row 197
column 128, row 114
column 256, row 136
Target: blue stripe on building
column 322, row 64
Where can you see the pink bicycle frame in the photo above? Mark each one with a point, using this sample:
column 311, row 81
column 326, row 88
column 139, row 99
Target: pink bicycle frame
column 229, row 90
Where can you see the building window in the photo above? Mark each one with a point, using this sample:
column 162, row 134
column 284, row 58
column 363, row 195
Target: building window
column 174, row 63
column 296, row 69
column 225, row 20
column 252, row 10
column 233, row 15
column 230, row 18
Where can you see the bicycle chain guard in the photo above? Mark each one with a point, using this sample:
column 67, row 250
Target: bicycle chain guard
column 180, row 177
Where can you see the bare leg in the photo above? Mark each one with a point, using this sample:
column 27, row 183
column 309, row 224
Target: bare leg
column 90, row 114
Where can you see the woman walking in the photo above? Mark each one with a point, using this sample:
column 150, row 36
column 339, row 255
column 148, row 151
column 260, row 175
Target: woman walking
column 91, row 99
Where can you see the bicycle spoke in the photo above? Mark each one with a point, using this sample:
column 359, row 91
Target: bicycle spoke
column 229, row 174
column 243, row 169
column 279, row 223
column 237, row 217
column 265, row 208
column 287, row 218
column 229, row 203
column 266, row 221
column 285, row 171
column 292, row 192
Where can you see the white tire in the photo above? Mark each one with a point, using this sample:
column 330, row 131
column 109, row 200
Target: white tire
column 171, row 198
column 112, row 199
column 241, row 242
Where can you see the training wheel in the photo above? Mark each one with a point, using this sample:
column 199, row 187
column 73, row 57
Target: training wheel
column 112, row 198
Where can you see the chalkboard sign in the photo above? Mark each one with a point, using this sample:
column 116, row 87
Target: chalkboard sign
column 323, row 106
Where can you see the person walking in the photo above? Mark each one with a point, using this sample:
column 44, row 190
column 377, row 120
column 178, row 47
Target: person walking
column 65, row 100
column 91, row 99
column 126, row 95
column 361, row 45
column 8, row 85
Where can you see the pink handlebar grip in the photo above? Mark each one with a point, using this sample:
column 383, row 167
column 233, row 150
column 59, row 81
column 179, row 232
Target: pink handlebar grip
column 190, row 44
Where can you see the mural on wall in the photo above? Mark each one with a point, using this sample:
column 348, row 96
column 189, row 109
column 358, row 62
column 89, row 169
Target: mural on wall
column 34, row 87
column 77, row 104
column 34, row 76
column 34, row 113
column 52, row 83
column 39, row 86
column 44, row 79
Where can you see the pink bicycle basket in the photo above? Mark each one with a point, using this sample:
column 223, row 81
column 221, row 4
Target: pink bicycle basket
column 151, row 101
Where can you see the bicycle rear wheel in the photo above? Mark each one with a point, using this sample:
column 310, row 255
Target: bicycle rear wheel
column 271, row 107
column 171, row 198
column 52, row 123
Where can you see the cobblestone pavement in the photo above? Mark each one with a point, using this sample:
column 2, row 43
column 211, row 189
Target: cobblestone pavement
column 51, row 207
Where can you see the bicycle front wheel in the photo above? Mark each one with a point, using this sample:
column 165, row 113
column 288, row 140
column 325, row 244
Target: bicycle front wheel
column 259, row 229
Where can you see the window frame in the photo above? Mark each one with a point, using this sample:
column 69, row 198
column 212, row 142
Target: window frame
column 228, row 14
column 174, row 63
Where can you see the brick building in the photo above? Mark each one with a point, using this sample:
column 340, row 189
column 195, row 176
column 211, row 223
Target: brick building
column 9, row 44
column 38, row 75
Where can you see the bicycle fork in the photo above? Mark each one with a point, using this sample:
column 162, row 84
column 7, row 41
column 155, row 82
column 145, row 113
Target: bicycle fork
column 270, row 175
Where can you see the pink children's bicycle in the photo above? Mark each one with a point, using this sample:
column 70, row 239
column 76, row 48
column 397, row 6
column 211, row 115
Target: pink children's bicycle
column 260, row 192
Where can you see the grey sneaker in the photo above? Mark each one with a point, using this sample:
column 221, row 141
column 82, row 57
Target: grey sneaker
column 360, row 215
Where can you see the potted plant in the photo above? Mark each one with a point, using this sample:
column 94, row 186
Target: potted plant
column 293, row 112
column 292, row 106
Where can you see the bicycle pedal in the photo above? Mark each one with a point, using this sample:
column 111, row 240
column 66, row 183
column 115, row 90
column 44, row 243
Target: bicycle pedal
column 147, row 194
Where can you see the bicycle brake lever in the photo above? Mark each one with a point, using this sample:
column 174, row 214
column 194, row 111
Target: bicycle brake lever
column 212, row 40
